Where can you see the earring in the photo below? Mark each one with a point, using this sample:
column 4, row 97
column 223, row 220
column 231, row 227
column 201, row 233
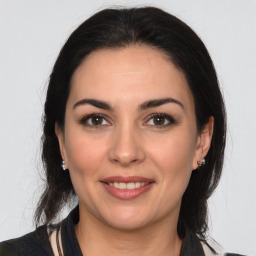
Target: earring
column 201, row 163
column 63, row 165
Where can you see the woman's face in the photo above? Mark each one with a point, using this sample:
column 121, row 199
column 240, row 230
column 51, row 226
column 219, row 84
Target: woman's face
column 130, row 140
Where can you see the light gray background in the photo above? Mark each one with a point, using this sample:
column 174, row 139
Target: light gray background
column 31, row 35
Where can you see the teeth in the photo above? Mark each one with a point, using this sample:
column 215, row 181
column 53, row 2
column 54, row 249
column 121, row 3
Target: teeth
column 116, row 185
column 122, row 185
column 130, row 185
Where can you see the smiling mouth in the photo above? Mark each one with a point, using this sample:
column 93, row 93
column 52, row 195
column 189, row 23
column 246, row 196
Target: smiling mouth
column 127, row 188
column 129, row 185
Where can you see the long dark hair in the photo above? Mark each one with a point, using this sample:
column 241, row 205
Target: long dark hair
column 115, row 28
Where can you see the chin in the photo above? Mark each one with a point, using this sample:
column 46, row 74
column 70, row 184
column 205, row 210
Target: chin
column 127, row 224
column 127, row 219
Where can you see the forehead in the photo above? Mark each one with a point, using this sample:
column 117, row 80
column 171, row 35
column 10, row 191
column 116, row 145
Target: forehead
column 120, row 74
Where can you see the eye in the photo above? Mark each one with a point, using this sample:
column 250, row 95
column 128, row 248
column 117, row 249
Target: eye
column 160, row 120
column 94, row 120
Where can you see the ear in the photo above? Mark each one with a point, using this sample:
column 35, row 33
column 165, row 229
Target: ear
column 203, row 142
column 61, row 138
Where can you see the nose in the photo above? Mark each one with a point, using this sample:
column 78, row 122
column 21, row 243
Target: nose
column 126, row 147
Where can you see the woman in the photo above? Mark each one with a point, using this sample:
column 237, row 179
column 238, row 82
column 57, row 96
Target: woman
column 135, row 127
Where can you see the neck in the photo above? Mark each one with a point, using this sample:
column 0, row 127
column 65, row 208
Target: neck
column 96, row 238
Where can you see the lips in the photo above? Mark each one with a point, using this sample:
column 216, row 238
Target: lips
column 127, row 187
column 127, row 179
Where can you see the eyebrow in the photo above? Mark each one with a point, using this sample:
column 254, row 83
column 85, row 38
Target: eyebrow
column 159, row 102
column 93, row 102
column 146, row 105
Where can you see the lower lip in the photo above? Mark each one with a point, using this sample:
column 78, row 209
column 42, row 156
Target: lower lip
column 127, row 194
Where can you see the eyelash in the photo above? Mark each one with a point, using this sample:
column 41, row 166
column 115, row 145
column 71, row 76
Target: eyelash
column 170, row 119
column 85, row 119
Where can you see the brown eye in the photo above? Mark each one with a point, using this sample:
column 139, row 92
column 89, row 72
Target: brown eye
column 97, row 120
column 94, row 120
column 159, row 120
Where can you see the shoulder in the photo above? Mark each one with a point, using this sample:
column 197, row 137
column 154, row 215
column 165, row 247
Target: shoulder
column 212, row 248
column 35, row 243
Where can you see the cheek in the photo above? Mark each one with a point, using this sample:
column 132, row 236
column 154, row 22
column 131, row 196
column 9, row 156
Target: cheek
column 174, row 160
column 174, row 154
column 85, row 154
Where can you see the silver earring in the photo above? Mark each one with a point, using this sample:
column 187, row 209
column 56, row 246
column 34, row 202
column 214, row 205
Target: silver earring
column 63, row 165
column 201, row 163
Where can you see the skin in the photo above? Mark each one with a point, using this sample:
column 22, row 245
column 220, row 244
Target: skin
column 129, row 142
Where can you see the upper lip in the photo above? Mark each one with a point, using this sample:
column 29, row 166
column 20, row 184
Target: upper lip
column 126, row 179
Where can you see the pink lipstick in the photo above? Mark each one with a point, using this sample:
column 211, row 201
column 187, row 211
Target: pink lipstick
column 127, row 187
